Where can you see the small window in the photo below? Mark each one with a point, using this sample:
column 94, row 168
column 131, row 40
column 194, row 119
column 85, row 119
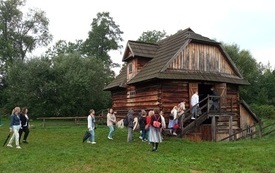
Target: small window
column 130, row 68
column 131, row 94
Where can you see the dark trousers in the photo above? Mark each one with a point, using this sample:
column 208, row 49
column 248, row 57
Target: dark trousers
column 143, row 134
column 26, row 133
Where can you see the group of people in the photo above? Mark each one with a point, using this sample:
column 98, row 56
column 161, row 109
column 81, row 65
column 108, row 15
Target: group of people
column 111, row 121
column 150, row 126
column 176, row 112
column 148, row 122
column 19, row 123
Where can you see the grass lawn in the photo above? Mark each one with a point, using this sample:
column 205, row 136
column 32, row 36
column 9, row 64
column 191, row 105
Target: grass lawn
column 60, row 149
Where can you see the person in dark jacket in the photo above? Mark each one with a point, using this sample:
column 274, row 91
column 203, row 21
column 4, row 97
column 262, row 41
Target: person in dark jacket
column 24, row 125
column 142, row 123
column 215, row 99
column 130, row 126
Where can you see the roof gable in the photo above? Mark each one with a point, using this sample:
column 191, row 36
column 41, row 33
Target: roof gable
column 165, row 54
column 135, row 48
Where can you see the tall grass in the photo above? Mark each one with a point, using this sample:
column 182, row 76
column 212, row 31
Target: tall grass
column 60, row 149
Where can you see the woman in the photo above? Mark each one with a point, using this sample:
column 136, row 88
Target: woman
column 24, row 125
column 91, row 126
column 154, row 132
column 111, row 120
column 15, row 125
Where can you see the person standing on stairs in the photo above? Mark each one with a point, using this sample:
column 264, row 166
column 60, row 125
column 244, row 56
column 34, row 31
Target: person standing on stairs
column 194, row 104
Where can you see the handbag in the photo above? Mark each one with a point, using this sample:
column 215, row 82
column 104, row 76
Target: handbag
column 176, row 126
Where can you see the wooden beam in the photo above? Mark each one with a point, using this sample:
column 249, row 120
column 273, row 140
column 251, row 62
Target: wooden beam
column 213, row 128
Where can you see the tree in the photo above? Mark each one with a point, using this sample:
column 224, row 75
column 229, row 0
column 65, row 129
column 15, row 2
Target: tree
column 104, row 36
column 65, row 85
column 21, row 33
column 249, row 68
column 64, row 47
column 152, row 36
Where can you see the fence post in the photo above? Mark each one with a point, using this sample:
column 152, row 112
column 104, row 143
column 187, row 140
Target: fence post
column 1, row 120
column 260, row 129
column 213, row 127
column 230, row 126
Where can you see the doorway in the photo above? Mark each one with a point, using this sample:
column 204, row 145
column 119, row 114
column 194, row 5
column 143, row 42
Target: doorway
column 204, row 91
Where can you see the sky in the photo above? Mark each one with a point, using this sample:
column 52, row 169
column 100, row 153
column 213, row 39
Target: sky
column 248, row 23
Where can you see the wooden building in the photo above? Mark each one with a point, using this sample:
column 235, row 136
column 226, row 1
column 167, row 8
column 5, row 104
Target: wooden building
column 166, row 73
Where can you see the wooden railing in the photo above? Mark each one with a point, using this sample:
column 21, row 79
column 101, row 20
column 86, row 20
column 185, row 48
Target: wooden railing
column 243, row 133
column 224, row 106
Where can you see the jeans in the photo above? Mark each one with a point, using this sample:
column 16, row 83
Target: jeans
column 143, row 134
column 112, row 129
column 15, row 135
column 194, row 111
column 216, row 105
column 92, row 137
column 130, row 134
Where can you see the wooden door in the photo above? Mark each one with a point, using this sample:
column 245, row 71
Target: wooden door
column 222, row 91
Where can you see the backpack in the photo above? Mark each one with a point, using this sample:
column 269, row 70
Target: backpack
column 156, row 123
column 125, row 121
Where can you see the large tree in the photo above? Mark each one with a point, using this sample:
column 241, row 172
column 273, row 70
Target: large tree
column 21, row 33
column 105, row 35
column 152, row 36
column 64, row 47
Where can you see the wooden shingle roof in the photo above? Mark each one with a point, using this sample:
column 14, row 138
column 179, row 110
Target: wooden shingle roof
column 162, row 53
column 119, row 81
column 140, row 49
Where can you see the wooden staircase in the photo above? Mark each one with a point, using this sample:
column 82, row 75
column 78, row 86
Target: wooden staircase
column 224, row 120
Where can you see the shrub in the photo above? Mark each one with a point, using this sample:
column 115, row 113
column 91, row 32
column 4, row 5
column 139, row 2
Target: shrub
column 264, row 111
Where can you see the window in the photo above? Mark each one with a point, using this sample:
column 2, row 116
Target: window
column 130, row 68
column 131, row 94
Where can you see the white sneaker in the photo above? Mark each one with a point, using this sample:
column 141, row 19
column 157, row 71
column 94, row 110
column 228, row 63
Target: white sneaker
column 9, row 145
column 89, row 142
column 110, row 138
column 174, row 134
column 192, row 118
column 18, row 147
column 93, row 142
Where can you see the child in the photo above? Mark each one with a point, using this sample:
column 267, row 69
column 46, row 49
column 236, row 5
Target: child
column 142, row 123
column 91, row 126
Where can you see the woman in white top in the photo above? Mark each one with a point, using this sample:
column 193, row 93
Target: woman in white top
column 91, row 126
column 111, row 120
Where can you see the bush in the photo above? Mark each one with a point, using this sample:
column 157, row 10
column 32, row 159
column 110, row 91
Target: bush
column 264, row 111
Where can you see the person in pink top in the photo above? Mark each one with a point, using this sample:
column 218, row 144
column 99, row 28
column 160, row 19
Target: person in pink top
column 111, row 121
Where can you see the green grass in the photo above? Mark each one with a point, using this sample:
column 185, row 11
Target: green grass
column 60, row 149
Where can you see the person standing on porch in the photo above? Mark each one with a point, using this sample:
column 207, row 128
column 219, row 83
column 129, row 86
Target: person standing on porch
column 194, row 104
column 215, row 99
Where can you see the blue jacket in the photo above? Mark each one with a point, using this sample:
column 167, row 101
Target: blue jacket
column 15, row 120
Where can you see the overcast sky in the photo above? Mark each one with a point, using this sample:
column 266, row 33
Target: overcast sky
column 248, row 23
